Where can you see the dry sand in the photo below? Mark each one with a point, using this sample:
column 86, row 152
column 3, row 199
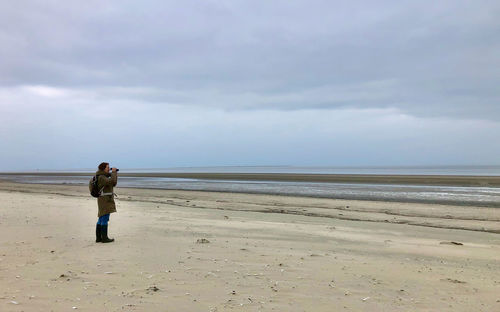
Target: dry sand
column 263, row 253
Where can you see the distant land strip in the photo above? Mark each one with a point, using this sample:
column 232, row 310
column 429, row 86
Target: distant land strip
column 442, row 180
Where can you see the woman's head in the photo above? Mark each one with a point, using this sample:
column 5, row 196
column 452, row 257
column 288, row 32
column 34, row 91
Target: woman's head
column 104, row 166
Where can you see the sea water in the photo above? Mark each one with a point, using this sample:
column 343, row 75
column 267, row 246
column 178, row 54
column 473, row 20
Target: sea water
column 481, row 196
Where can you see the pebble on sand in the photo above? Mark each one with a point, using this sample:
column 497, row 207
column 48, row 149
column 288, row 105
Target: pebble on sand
column 451, row 243
column 152, row 289
column 451, row 280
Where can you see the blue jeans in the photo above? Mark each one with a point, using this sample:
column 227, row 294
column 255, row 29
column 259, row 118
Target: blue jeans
column 103, row 220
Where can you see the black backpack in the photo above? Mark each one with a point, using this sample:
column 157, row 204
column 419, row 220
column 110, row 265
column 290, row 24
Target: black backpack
column 94, row 186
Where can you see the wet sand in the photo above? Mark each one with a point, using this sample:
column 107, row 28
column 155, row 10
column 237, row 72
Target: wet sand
column 443, row 180
column 262, row 253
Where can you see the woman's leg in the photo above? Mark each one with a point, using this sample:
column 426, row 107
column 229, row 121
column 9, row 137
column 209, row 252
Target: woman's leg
column 106, row 219
column 104, row 229
column 99, row 228
column 98, row 238
column 103, row 220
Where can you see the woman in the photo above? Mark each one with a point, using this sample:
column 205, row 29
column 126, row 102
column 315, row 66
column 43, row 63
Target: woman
column 105, row 201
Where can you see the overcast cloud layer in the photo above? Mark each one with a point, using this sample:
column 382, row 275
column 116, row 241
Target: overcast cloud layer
column 200, row 83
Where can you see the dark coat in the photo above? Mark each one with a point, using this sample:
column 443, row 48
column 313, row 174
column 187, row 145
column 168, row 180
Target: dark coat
column 106, row 182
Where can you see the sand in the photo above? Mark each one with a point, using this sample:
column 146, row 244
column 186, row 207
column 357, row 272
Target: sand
column 441, row 180
column 205, row 251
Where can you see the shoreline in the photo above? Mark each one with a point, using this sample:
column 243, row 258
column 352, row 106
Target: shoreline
column 333, row 196
column 487, row 204
column 433, row 180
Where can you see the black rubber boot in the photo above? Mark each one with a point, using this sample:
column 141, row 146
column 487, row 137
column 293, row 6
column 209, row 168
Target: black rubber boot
column 104, row 235
column 98, row 238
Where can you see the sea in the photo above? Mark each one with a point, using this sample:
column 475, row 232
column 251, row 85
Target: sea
column 455, row 195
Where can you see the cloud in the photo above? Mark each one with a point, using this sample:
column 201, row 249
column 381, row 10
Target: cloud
column 248, row 82
column 439, row 60
column 46, row 91
column 66, row 132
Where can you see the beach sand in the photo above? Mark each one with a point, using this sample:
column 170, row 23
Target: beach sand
column 207, row 251
column 443, row 180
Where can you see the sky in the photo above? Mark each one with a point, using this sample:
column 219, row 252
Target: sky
column 158, row 84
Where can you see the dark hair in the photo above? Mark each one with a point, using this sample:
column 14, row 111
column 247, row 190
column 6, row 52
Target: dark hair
column 103, row 165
